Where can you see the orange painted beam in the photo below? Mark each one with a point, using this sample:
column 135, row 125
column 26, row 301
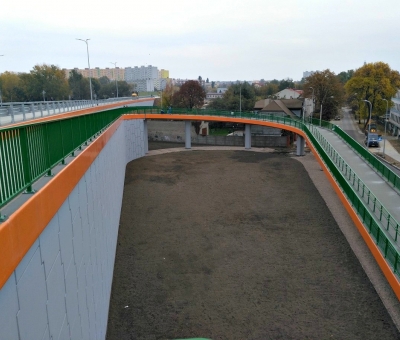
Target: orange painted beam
column 19, row 232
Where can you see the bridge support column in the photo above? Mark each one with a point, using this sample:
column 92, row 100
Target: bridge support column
column 145, row 137
column 300, row 146
column 247, row 137
column 188, row 137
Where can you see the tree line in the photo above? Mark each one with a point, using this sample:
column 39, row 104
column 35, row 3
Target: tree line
column 374, row 82
column 48, row 82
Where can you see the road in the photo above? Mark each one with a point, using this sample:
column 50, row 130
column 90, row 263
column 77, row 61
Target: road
column 349, row 125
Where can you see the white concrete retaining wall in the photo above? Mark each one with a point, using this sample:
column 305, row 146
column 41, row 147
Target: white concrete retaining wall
column 61, row 289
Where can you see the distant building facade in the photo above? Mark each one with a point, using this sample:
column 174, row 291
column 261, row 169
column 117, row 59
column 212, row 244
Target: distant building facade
column 146, row 78
column 110, row 73
column 289, row 94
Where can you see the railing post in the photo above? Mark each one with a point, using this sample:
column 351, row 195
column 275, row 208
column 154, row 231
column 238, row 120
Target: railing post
column 48, row 108
column 33, row 110
column 23, row 112
column 41, row 109
column 11, row 112
column 26, row 159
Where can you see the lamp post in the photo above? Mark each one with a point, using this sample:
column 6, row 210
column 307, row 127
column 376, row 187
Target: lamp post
column 384, row 140
column 116, row 83
column 44, row 92
column 369, row 120
column 320, row 112
column 90, row 78
column 312, row 110
column 240, row 97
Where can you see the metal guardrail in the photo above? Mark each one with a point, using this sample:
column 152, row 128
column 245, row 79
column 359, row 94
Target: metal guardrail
column 375, row 217
column 23, row 111
column 377, row 164
column 30, row 151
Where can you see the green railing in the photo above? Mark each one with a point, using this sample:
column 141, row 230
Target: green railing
column 377, row 164
column 28, row 152
column 375, row 217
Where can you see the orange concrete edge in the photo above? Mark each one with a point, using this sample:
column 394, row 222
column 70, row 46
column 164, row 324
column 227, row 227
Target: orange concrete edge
column 20, row 231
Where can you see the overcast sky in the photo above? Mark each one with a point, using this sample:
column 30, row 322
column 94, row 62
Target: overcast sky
column 217, row 39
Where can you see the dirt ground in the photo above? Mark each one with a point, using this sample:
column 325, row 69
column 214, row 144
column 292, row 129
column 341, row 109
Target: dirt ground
column 235, row 245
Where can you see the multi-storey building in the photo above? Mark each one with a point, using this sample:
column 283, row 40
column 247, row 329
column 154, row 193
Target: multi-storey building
column 146, row 78
column 110, row 73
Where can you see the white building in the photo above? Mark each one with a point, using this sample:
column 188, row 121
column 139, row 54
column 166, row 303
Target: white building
column 288, row 94
column 394, row 118
column 146, row 78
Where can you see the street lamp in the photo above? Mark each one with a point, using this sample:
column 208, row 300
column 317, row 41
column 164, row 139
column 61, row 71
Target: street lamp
column 116, row 83
column 384, row 140
column 369, row 120
column 312, row 104
column 90, row 78
column 44, row 92
column 240, row 97
column 320, row 112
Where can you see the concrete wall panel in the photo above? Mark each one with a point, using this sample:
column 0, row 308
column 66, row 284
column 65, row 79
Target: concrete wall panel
column 61, row 288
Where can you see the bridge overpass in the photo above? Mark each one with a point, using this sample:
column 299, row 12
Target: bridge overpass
column 57, row 249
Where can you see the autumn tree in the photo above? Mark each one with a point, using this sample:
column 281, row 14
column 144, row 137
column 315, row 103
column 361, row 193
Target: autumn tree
column 373, row 82
column 168, row 94
column 328, row 92
column 10, row 86
column 190, row 95
column 48, row 78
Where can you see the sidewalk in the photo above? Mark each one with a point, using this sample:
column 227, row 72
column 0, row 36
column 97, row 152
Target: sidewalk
column 390, row 151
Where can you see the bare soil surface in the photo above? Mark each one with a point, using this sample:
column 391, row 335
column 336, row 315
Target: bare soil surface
column 235, row 245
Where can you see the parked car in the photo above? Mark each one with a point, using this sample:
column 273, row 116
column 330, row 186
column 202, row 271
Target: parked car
column 337, row 118
column 372, row 139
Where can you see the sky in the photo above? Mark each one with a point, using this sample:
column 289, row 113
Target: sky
column 215, row 39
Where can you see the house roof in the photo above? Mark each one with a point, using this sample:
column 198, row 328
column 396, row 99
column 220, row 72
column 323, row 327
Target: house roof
column 261, row 104
column 279, row 105
column 293, row 103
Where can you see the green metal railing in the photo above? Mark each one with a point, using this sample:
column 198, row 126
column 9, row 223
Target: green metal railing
column 376, row 219
column 377, row 164
column 28, row 152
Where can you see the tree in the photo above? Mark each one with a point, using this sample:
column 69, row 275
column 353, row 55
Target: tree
column 328, row 92
column 124, row 89
column 79, row 86
column 48, row 78
column 10, row 86
column 190, row 95
column 373, row 82
column 207, row 81
column 285, row 84
column 168, row 94
column 239, row 95
column 344, row 76
column 104, row 80
column 212, row 84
